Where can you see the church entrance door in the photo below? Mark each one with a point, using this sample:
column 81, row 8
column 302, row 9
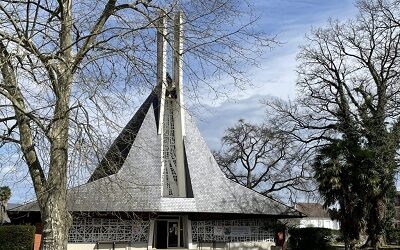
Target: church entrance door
column 168, row 233
column 173, row 234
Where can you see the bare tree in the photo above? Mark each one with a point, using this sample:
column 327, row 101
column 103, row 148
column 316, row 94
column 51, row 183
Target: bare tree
column 68, row 68
column 348, row 82
column 262, row 158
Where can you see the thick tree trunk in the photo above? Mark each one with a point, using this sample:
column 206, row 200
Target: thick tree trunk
column 55, row 216
column 56, row 222
column 3, row 213
column 51, row 193
column 346, row 245
column 376, row 237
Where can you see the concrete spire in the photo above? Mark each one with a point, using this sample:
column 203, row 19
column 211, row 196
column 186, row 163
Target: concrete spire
column 171, row 124
column 161, row 66
column 179, row 112
column 177, row 65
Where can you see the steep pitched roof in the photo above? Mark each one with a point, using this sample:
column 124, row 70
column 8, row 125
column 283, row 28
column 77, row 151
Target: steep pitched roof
column 132, row 180
column 116, row 155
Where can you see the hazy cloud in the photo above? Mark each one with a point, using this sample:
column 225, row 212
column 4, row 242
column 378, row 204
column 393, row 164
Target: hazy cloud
column 276, row 76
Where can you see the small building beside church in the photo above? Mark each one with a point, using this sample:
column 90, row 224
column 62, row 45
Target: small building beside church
column 317, row 216
column 159, row 186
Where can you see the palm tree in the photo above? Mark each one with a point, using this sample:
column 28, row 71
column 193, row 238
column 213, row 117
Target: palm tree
column 5, row 194
column 341, row 170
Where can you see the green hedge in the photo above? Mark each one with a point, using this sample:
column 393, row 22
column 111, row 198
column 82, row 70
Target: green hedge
column 310, row 238
column 17, row 237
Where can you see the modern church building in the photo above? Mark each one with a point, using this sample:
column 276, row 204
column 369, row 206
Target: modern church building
column 159, row 186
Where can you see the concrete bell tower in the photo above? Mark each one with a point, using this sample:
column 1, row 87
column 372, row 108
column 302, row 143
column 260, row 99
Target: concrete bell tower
column 171, row 125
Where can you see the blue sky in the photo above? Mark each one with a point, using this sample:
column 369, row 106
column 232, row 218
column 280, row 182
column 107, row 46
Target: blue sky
column 290, row 20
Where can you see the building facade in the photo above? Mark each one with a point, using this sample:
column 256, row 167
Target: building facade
column 317, row 216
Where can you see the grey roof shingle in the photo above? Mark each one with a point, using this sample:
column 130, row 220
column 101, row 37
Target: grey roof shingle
column 116, row 155
column 314, row 210
column 136, row 184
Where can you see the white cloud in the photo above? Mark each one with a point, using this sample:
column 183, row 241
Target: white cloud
column 276, row 76
column 215, row 120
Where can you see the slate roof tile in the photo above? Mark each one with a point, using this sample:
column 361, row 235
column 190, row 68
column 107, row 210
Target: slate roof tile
column 135, row 184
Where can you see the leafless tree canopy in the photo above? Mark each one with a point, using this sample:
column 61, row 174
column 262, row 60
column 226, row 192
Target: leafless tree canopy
column 348, row 78
column 70, row 68
column 262, row 158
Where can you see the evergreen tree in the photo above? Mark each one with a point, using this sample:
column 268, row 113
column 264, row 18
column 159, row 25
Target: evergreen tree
column 341, row 170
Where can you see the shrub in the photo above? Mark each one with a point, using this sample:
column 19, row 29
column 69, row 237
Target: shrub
column 393, row 236
column 310, row 238
column 17, row 237
column 5, row 193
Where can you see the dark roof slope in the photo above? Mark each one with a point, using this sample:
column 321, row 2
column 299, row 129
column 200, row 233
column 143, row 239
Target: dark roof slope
column 12, row 205
column 314, row 210
column 116, row 155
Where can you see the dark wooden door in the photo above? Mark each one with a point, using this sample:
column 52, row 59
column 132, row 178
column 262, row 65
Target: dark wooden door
column 162, row 234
